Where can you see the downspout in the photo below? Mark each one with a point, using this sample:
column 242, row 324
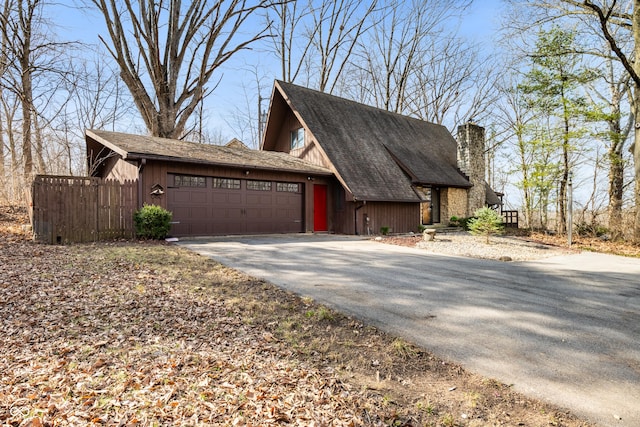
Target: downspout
column 141, row 165
column 355, row 214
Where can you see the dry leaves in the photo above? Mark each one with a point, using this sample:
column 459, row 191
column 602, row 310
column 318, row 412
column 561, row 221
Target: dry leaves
column 124, row 345
column 132, row 333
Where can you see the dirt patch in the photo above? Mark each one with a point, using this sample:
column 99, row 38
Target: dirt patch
column 138, row 333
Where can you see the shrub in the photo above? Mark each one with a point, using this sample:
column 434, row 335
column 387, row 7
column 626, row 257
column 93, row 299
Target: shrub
column 384, row 230
column 421, row 228
column 590, row 230
column 486, row 223
column 456, row 221
column 152, row 222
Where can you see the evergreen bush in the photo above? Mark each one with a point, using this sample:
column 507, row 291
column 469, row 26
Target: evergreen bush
column 486, row 222
column 152, row 222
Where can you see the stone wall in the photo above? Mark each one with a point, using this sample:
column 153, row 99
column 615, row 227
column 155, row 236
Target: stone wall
column 471, row 161
column 453, row 202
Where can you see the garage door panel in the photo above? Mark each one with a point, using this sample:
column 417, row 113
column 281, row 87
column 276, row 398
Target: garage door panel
column 182, row 198
column 216, row 211
column 199, row 197
column 257, row 199
column 221, row 212
column 227, row 198
column 287, row 197
column 199, row 212
column 259, row 214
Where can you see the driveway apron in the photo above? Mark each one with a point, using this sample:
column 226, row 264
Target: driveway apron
column 563, row 329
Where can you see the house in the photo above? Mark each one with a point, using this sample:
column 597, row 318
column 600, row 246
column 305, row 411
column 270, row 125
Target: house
column 326, row 164
column 390, row 170
column 210, row 189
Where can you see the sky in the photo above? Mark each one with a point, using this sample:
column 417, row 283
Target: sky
column 227, row 106
column 238, row 79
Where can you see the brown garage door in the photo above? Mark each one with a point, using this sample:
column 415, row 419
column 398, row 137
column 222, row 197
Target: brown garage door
column 205, row 206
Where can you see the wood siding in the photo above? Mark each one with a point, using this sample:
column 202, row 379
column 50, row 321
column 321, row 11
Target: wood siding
column 283, row 142
column 312, row 154
column 122, row 171
column 80, row 209
column 399, row 217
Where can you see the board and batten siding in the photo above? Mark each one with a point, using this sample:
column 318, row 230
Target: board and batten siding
column 399, row 217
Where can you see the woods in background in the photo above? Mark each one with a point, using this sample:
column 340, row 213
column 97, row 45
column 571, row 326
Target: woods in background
column 557, row 89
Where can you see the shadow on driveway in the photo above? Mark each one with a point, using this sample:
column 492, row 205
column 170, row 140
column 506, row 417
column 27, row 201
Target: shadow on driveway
column 564, row 329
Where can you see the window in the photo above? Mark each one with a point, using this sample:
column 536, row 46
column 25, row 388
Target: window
column 259, row 185
column 287, row 187
column 231, row 184
column 189, row 181
column 297, row 138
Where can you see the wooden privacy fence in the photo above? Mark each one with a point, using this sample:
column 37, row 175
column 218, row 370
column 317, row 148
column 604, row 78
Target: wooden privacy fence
column 69, row 209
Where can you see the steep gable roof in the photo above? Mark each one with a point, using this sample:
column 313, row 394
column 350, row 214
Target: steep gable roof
column 377, row 154
column 133, row 147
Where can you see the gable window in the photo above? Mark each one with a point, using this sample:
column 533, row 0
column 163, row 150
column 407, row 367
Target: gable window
column 297, row 138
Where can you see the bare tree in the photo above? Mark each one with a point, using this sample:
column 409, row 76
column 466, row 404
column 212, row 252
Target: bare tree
column 411, row 61
column 168, row 51
column 391, row 54
column 515, row 119
column 10, row 107
column 290, row 48
column 34, row 69
column 4, row 65
column 618, row 128
column 453, row 84
column 17, row 28
column 618, row 23
column 99, row 99
column 317, row 40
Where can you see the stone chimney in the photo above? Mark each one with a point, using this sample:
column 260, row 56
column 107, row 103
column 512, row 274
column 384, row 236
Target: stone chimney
column 472, row 163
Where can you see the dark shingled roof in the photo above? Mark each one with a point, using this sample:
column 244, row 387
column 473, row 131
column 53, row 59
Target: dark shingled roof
column 132, row 147
column 377, row 154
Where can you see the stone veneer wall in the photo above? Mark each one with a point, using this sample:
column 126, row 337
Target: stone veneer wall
column 471, row 161
column 453, row 202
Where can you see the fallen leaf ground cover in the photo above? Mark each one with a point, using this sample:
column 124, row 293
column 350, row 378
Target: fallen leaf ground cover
column 142, row 333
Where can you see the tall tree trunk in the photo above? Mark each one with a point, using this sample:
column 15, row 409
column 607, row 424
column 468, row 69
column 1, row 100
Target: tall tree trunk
column 41, row 166
column 635, row 147
column 27, row 156
column 616, row 179
column 27, row 88
column 2, row 150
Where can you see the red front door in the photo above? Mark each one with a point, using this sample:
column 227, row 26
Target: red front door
column 319, row 207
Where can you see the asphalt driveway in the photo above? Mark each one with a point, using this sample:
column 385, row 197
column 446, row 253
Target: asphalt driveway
column 564, row 329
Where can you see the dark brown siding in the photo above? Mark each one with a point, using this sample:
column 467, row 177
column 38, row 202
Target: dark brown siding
column 284, row 136
column 399, row 217
column 155, row 172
